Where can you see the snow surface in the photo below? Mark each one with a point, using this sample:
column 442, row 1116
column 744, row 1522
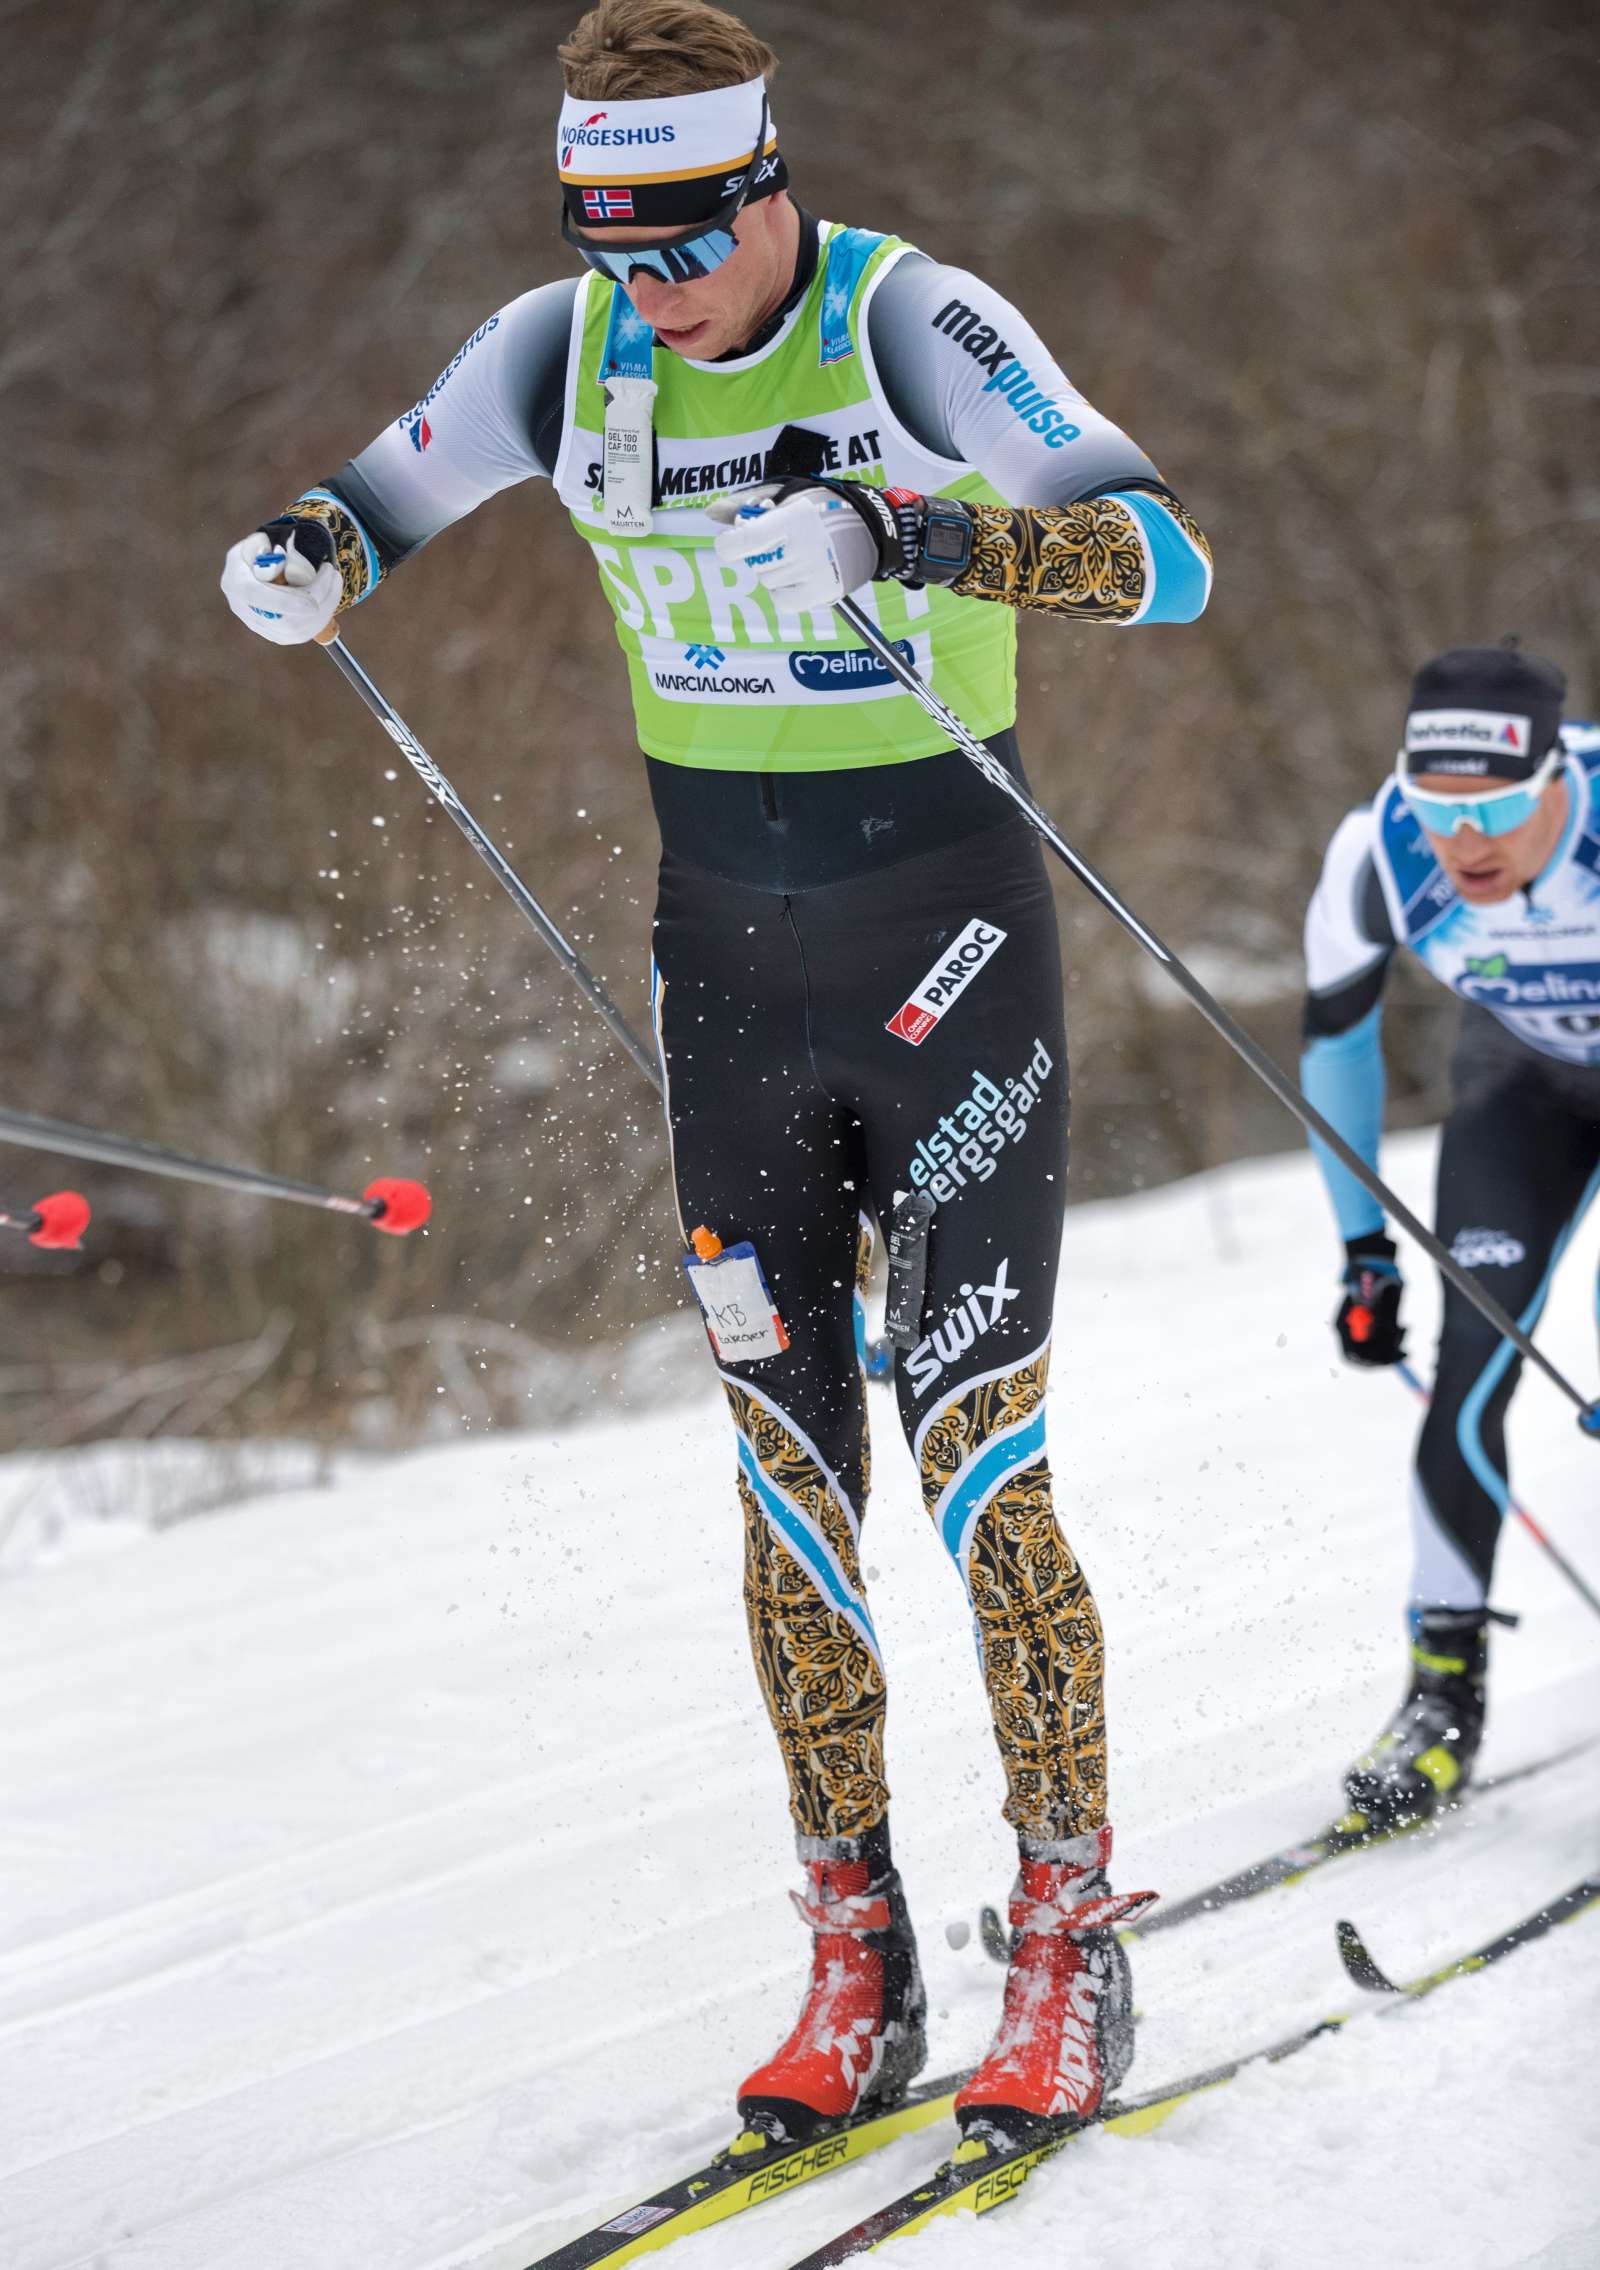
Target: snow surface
column 392, row 1873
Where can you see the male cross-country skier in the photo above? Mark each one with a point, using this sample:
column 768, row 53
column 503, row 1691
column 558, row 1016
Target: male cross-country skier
column 857, row 987
column 1482, row 856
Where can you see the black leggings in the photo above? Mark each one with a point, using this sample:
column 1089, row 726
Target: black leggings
column 796, row 1115
column 1520, row 1161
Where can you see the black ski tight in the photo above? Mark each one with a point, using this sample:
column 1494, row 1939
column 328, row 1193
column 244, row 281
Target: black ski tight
column 1519, row 1163
column 800, row 1100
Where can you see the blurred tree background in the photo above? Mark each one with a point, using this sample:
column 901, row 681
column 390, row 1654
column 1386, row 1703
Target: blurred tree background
column 1336, row 268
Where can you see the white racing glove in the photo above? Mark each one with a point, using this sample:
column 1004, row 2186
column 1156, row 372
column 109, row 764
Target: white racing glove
column 810, row 551
column 277, row 592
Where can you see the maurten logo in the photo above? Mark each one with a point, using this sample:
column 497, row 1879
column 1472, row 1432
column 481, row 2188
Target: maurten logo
column 949, row 977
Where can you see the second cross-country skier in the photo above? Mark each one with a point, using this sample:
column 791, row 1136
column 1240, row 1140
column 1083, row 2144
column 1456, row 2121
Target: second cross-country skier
column 1482, row 856
column 857, row 977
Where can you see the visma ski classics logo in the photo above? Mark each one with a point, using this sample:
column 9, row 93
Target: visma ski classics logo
column 948, row 979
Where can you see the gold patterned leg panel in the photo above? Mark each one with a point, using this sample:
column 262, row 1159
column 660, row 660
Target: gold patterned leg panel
column 986, row 1483
column 1043, row 1661
column 815, row 1650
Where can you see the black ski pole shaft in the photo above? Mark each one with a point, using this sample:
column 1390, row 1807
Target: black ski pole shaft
column 1232, row 1032
column 1547, row 1544
column 393, row 1205
column 493, row 858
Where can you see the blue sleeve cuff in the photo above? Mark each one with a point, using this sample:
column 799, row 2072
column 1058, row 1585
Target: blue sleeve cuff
column 1180, row 572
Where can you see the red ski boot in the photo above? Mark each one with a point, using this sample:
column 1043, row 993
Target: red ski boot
column 861, row 2038
column 1066, row 2033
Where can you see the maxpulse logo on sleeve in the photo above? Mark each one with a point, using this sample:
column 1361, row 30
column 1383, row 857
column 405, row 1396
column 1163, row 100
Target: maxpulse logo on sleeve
column 945, row 982
column 968, row 1140
column 992, row 354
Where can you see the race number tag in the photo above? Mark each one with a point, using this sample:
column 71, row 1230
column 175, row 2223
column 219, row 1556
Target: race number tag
column 738, row 1309
column 630, row 455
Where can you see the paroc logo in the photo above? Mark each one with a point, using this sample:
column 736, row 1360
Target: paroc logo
column 945, row 982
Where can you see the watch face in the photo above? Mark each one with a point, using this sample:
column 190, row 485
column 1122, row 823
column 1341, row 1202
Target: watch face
column 946, row 540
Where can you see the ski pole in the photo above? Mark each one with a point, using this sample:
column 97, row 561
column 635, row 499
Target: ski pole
column 57, row 1223
column 1589, row 1598
column 499, row 867
column 876, row 1354
column 1233, row 1033
column 390, row 1204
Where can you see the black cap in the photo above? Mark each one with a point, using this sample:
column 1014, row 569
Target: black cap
column 1483, row 711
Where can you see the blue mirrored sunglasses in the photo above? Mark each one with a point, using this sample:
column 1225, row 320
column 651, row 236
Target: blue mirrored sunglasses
column 1497, row 813
column 678, row 262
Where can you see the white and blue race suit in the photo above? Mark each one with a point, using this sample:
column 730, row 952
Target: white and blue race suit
column 1520, row 1157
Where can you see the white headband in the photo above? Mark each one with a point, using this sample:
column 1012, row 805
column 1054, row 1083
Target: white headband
column 667, row 138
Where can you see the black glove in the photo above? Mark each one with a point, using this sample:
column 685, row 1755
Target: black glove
column 1368, row 1322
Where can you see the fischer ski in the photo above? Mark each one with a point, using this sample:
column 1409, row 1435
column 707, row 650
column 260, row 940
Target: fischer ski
column 979, row 2177
column 1364, row 1972
column 1287, row 1866
column 751, row 2169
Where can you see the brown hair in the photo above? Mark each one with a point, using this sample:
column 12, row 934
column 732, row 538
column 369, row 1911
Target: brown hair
column 626, row 49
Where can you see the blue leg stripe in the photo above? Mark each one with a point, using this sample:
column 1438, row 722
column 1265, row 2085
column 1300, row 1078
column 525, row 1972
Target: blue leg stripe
column 978, row 1481
column 809, row 1547
column 1468, row 1437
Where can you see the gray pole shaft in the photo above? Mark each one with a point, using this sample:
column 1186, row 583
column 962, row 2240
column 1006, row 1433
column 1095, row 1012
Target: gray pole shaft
column 1234, row 1034
column 121, row 1151
column 499, row 867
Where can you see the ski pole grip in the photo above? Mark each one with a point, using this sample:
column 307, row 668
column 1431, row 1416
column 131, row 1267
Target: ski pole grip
column 398, row 1207
column 62, row 1219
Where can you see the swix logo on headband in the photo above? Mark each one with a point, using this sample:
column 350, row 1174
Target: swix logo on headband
column 948, row 979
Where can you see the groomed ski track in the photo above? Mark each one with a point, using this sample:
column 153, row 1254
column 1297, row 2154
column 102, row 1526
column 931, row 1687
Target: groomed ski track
column 392, row 1875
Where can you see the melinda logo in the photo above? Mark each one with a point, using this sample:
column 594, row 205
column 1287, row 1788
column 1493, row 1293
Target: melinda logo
column 1500, row 984
column 945, row 982
column 846, row 670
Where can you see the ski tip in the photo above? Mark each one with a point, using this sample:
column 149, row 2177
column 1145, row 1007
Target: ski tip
column 63, row 1218
column 399, row 1207
column 994, row 1935
column 1358, row 1962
